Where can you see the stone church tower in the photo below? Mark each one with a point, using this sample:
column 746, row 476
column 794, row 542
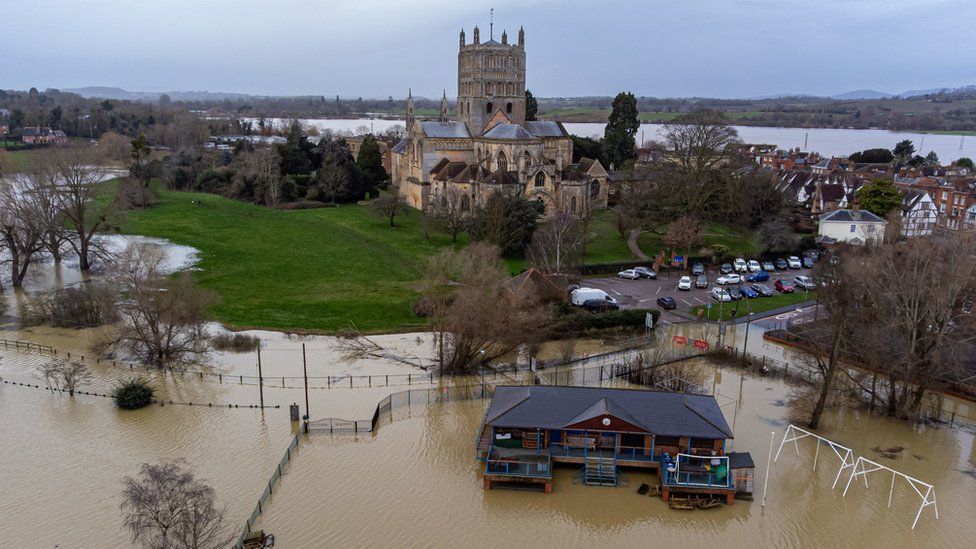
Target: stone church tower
column 491, row 76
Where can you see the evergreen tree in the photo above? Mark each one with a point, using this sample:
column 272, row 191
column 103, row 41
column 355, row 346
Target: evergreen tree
column 904, row 150
column 531, row 106
column 618, row 139
column 965, row 162
column 932, row 159
column 881, row 197
column 370, row 163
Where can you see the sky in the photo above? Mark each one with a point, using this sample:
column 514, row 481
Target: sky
column 374, row 48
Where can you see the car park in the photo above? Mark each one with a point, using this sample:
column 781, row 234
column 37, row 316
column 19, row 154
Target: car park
column 761, row 276
column 580, row 296
column 734, row 293
column 600, row 305
column 768, row 266
column 748, row 292
column 753, row 266
column 701, row 281
column 740, row 265
column 807, row 262
column 719, row 294
column 784, row 286
column 730, row 278
column 697, row 269
column 667, row 303
column 794, row 262
column 646, row 272
column 804, row 282
column 684, row 283
column 762, row 289
column 781, row 264
column 629, row 273
column 726, row 268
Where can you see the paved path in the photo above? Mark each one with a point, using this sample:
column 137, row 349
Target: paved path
column 632, row 244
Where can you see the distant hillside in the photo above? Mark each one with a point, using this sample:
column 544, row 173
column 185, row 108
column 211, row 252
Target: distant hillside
column 104, row 92
column 861, row 94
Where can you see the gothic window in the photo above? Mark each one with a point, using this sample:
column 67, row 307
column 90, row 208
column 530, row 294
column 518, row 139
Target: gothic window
column 510, row 61
column 489, row 109
column 594, row 189
column 502, row 161
column 508, row 108
column 465, row 203
column 511, row 89
column 540, row 180
column 528, row 160
column 572, row 205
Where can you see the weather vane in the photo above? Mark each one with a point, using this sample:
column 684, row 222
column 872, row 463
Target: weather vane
column 491, row 24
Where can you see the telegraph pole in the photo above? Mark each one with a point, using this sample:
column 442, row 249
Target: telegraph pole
column 260, row 379
column 305, row 371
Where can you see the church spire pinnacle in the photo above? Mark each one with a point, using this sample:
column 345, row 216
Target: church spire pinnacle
column 444, row 107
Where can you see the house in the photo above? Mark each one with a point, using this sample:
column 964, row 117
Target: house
column 4, row 129
column 851, row 226
column 681, row 437
column 37, row 135
column 919, row 215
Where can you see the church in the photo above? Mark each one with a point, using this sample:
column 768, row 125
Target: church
column 491, row 147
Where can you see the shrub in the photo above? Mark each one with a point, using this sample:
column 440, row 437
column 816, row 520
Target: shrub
column 235, row 343
column 133, row 394
column 83, row 306
column 580, row 321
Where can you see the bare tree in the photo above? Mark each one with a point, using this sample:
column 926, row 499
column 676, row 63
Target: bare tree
column 448, row 214
column 163, row 318
column 697, row 147
column 388, row 205
column 64, row 376
column 557, row 246
column 77, row 183
column 22, row 226
column 331, row 181
column 682, row 234
column 263, row 166
column 166, row 507
column 777, row 236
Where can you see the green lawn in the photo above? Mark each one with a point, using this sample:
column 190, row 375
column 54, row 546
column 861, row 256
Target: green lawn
column 605, row 244
column 17, row 161
column 739, row 241
column 756, row 305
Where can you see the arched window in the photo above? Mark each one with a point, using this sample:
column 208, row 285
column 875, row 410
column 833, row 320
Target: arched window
column 511, row 61
column 528, row 160
column 540, row 180
column 443, row 201
column 511, row 89
column 488, row 109
column 594, row 189
column 572, row 205
column 502, row 161
column 465, row 203
column 508, row 108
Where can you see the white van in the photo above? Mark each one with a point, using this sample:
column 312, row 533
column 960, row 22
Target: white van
column 582, row 295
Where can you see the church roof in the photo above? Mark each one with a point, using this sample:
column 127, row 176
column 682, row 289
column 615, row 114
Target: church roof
column 500, row 177
column 471, row 172
column 400, row 147
column 446, row 170
column 508, row 131
column 545, row 128
column 445, row 129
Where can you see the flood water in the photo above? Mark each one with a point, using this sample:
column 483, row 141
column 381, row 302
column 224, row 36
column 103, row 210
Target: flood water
column 826, row 141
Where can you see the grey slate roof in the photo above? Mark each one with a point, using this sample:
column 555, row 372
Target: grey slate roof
column 445, row 129
column 851, row 216
column 507, row 131
column 662, row 413
column 400, row 147
column 741, row 460
column 545, row 128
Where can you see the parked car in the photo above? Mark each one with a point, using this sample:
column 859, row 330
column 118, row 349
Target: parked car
column 582, row 295
column 761, row 276
column 734, row 293
column 599, row 305
column 697, row 269
column 754, row 266
column 747, row 291
column 804, row 282
column 701, row 281
column 726, row 268
column 808, row 262
column 784, row 286
column 730, row 278
column 667, row 302
column 740, row 265
column 684, row 283
column 646, row 272
column 768, row 266
column 794, row 262
column 781, row 264
column 629, row 273
column 762, row 290
column 719, row 294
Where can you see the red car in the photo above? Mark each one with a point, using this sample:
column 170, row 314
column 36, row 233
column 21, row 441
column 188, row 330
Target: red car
column 783, row 286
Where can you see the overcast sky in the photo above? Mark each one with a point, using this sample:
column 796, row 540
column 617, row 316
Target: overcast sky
column 373, row 48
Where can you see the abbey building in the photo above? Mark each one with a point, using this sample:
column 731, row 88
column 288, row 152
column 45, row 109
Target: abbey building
column 490, row 147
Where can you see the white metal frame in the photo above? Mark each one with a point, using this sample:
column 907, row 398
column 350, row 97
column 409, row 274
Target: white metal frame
column 845, row 454
column 861, row 470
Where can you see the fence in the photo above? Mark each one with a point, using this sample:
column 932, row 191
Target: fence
column 269, row 489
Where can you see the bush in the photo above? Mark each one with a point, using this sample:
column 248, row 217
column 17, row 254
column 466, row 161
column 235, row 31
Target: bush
column 578, row 320
column 235, row 343
column 84, row 306
column 133, row 394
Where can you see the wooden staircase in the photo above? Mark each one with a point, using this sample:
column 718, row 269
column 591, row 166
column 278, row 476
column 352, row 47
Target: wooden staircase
column 531, row 440
column 484, row 442
column 600, row 471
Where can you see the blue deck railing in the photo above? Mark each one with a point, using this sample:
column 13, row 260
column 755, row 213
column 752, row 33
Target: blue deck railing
column 538, row 466
column 696, row 471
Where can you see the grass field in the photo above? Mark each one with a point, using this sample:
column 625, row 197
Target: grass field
column 739, row 241
column 756, row 305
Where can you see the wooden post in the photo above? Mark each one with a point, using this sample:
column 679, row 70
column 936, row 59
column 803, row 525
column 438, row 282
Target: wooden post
column 260, row 379
column 305, row 372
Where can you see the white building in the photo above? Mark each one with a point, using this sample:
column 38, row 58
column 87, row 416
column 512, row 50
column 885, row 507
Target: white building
column 919, row 214
column 851, row 226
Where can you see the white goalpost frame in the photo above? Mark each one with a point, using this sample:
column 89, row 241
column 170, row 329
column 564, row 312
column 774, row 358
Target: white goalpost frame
column 845, row 454
column 861, row 470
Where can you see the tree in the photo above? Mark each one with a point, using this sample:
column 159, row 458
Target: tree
column 904, row 150
column 506, row 221
column 682, row 234
column 22, row 224
column 64, row 376
column 163, row 320
column 370, row 164
column 448, row 213
column 77, row 184
column 618, row 137
column 531, row 106
column 388, row 205
column 697, row 149
column 165, row 507
column 777, row 236
column 587, row 147
column 964, row 162
column 931, row 159
column 872, row 156
column 557, row 246
column 139, row 159
column 880, row 197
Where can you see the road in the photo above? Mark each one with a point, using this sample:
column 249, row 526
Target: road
column 643, row 293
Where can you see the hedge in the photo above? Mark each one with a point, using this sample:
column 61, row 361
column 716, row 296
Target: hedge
column 580, row 320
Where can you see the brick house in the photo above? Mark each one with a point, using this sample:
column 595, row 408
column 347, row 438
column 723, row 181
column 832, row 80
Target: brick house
column 38, row 135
